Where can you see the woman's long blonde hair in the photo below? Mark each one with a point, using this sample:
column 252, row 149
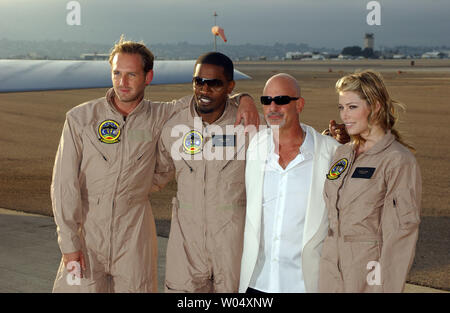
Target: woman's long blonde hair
column 369, row 85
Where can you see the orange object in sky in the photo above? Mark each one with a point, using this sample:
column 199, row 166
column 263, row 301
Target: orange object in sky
column 218, row 31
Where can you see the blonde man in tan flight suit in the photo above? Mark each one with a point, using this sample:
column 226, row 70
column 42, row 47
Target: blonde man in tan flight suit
column 200, row 146
column 102, row 176
column 373, row 195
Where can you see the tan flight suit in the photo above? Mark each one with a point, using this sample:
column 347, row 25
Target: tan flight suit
column 101, row 181
column 374, row 215
column 205, row 242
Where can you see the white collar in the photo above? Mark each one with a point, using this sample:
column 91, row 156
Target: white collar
column 306, row 148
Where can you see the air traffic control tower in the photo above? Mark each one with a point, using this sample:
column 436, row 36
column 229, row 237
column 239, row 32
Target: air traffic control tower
column 369, row 41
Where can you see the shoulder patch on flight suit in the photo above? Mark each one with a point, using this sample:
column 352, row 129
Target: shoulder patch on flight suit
column 363, row 172
column 109, row 131
column 337, row 169
column 192, row 142
column 224, row 140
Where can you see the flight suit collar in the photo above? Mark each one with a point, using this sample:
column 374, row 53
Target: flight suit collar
column 223, row 117
column 306, row 148
column 110, row 94
column 381, row 145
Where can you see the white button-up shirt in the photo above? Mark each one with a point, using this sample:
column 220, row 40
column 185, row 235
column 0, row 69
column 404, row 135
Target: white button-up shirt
column 279, row 264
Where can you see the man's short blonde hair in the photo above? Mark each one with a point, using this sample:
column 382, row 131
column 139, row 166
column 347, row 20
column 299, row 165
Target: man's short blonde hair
column 132, row 47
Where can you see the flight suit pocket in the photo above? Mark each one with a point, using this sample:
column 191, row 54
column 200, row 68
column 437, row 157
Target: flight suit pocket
column 330, row 280
column 408, row 216
column 329, row 276
column 94, row 200
column 189, row 286
column 95, row 147
column 90, row 207
column 91, row 202
column 172, row 287
column 139, row 157
column 365, row 192
column 329, row 251
column 143, row 154
column 365, row 249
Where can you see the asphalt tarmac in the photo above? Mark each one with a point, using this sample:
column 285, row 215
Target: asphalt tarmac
column 29, row 254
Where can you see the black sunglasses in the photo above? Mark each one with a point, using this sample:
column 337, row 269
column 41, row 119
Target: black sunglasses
column 212, row 83
column 279, row 100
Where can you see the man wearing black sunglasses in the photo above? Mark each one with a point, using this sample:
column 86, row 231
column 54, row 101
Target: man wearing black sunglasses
column 284, row 176
column 208, row 213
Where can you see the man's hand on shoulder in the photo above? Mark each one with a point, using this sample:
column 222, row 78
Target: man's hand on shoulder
column 247, row 111
column 337, row 131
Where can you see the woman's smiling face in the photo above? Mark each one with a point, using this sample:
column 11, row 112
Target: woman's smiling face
column 354, row 112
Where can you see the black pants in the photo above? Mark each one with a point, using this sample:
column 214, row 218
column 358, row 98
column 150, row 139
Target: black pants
column 252, row 291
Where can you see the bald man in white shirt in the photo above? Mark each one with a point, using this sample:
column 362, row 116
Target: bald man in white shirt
column 286, row 220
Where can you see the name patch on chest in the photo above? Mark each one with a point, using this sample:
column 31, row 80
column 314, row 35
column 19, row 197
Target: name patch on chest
column 363, row 172
column 224, row 140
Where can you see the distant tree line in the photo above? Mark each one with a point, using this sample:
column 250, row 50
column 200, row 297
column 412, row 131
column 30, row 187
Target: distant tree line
column 60, row 50
column 357, row 51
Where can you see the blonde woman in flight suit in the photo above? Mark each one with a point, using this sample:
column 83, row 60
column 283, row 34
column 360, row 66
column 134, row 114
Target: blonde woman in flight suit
column 373, row 195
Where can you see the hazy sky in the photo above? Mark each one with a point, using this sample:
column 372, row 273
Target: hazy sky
column 318, row 23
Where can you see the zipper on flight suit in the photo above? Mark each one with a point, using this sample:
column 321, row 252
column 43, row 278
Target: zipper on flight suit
column 205, row 224
column 110, row 236
column 351, row 161
column 204, row 208
column 121, row 150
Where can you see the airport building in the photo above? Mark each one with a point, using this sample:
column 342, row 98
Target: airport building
column 95, row 56
column 434, row 55
column 307, row 56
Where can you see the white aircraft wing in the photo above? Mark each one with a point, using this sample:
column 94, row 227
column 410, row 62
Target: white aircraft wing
column 32, row 75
